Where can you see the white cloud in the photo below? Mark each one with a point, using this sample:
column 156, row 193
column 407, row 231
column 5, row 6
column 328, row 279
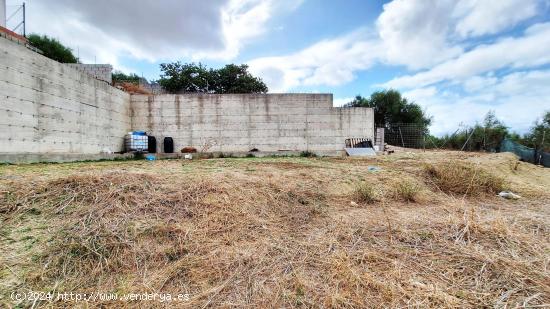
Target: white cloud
column 422, row 33
column 418, row 34
column 480, row 17
column 530, row 50
column 153, row 30
column 329, row 62
column 414, row 33
column 477, row 83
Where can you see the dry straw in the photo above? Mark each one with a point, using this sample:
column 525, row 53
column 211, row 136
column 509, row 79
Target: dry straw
column 277, row 233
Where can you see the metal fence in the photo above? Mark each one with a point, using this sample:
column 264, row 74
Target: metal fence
column 16, row 19
column 408, row 135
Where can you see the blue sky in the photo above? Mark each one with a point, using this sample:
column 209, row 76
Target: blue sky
column 458, row 59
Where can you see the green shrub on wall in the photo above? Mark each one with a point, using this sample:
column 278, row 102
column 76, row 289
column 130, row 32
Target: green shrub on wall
column 52, row 48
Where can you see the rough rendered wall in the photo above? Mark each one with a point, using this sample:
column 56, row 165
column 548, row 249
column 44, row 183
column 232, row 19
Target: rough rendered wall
column 47, row 107
column 241, row 122
column 100, row 71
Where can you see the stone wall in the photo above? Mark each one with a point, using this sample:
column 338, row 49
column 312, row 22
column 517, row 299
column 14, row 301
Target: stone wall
column 102, row 72
column 241, row 122
column 48, row 107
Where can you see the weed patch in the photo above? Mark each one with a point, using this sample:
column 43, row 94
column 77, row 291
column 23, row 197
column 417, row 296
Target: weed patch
column 464, row 179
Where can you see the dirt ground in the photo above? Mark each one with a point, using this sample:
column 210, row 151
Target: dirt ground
column 411, row 229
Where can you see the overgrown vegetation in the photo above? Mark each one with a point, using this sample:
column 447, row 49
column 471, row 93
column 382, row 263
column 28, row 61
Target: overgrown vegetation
column 180, row 77
column 269, row 232
column 488, row 136
column 464, row 179
column 485, row 136
column 52, row 48
column 119, row 76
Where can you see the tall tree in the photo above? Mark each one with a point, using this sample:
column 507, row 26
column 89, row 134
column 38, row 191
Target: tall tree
column 187, row 77
column 52, row 48
column 391, row 108
column 196, row 78
column 236, row 79
column 538, row 136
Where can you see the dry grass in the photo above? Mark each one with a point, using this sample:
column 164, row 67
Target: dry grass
column 464, row 178
column 407, row 190
column 255, row 233
column 364, row 192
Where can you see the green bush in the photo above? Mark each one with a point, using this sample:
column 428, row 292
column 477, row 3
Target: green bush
column 118, row 76
column 52, row 48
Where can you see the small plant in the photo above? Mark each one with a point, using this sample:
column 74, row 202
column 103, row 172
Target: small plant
column 250, row 155
column 307, row 154
column 407, row 190
column 365, row 193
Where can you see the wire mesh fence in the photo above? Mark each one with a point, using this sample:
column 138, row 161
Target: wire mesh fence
column 408, row 135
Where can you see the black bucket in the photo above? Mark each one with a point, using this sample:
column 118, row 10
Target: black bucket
column 151, row 144
column 168, row 145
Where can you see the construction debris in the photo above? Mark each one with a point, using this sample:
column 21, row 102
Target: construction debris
column 509, row 195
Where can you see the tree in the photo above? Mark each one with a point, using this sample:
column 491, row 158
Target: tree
column 196, row 78
column 391, row 108
column 52, row 48
column 487, row 136
column 236, row 79
column 494, row 131
column 188, row 77
column 538, row 136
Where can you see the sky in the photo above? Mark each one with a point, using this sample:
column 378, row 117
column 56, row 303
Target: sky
column 458, row 59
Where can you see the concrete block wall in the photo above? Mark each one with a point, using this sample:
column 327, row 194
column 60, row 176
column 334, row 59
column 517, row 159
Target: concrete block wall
column 99, row 71
column 50, row 108
column 241, row 122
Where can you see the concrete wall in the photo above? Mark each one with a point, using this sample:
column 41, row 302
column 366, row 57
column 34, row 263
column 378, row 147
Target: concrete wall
column 241, row 122
column 48, row 107
column 99, row 71
column 51, row 110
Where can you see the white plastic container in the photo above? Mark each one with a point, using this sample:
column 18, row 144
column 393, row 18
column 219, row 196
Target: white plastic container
column 134, row 142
